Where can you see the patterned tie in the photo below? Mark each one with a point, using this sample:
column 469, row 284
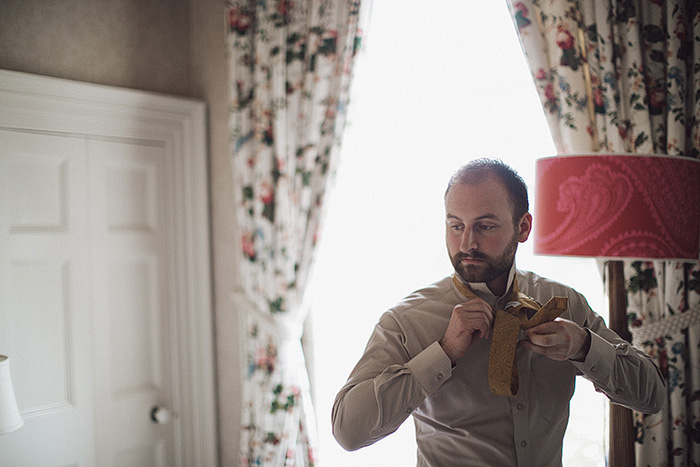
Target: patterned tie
column 503, row 366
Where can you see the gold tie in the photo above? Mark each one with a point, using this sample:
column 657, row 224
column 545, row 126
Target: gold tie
column 503, row 366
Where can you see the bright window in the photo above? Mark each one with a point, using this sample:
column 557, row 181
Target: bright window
column 438, row 84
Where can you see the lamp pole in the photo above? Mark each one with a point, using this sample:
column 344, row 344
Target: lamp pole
column 621, row 449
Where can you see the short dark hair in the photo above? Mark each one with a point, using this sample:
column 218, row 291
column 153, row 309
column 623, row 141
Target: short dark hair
column 477, row 170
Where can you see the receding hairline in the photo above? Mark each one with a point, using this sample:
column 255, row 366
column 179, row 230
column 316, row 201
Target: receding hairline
column 479, row 170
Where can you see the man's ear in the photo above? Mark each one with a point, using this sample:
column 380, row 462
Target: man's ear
column 524, row 227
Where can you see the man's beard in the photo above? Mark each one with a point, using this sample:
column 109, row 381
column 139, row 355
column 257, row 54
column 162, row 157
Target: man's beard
column 491, row 267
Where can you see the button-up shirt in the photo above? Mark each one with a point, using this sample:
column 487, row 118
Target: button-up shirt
column 458, row 421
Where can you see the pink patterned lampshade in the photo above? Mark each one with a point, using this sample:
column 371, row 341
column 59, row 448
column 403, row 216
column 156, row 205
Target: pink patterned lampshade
column 618, row 206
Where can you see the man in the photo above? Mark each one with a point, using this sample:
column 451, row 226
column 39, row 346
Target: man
column 429, row 355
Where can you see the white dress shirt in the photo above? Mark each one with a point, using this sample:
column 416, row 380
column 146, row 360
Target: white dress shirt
column 458, row 421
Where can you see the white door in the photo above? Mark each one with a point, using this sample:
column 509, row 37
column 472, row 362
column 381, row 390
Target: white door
column 132, row 284
column 45, row 322
column 102, row 308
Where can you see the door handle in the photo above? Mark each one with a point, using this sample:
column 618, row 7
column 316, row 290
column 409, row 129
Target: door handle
column 160, row 415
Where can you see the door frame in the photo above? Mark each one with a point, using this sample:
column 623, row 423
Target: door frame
column 39, row 104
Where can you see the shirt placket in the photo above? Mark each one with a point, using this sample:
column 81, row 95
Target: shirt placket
column 520, row 406
column 520, row 409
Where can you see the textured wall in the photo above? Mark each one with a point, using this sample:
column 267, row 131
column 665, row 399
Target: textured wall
column 142, row 44
column 210, row 73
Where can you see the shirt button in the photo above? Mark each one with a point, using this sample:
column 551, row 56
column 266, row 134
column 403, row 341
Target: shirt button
column 409, row 410
column 594, row 368
column 440, row 376
column 519, row 406
column 523, row 443
column 618, row 391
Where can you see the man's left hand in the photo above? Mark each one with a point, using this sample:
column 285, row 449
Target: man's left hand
column 560, row 339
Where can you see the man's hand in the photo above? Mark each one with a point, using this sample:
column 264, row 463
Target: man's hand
column 559, row 340
column 469, row 320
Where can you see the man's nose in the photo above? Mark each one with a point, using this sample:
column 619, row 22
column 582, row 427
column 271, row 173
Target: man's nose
column 468, row 242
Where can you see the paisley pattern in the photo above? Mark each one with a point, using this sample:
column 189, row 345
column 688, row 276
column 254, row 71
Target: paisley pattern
column 674, row 206
column 590, row 199
column 588, row 205
column 623, row 77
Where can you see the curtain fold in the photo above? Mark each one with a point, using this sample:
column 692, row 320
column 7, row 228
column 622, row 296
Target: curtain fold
column 624, row 76
column 664, row 314
column 290, row 67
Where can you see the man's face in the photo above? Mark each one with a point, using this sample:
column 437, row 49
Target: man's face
column 481, row 236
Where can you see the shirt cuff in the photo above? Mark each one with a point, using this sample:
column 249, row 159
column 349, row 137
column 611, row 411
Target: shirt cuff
column 431, row 367
column 601, row 354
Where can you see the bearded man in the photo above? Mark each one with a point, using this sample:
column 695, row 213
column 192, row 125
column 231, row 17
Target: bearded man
column 476, row 358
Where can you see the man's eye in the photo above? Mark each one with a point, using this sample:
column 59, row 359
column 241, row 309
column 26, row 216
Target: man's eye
column 486, row 227
column 457, row 228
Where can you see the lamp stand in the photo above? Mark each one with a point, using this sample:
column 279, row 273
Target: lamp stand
column 621, row 448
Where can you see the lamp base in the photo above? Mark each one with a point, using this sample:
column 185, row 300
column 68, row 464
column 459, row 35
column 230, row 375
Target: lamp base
column 621, row 449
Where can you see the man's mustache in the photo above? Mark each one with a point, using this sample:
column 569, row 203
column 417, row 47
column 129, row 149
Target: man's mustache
column 472, row 255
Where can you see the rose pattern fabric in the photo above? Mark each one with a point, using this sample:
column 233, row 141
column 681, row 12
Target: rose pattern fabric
column 623, row 76
column 657, row 290
column 290, row 67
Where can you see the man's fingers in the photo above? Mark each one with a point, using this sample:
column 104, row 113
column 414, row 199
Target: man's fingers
column 546, row 334
column 549, row 349
column 469, row 320
column 559, row 340
column 475, row 306
column 484, row 327
column 550, row 327
column 475, row 321
column 544, row 340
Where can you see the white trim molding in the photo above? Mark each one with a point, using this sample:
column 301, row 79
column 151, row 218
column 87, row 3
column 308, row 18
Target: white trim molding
column 31, row 103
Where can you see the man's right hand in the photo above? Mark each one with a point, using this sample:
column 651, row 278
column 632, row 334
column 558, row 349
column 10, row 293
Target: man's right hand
column 469, row 320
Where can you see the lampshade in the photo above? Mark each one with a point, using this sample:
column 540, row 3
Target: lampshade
column 10, row 419
column 618, row 206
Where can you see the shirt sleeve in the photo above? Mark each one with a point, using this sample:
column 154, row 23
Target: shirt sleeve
column 626, row 375
column 386, row 385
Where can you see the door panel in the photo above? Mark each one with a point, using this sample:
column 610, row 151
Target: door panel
column 130, row 226
column 105, row 305
column 44, row 304
column 109, row 250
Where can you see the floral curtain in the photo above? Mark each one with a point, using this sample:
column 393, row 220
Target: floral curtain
column 664, row 312
column 624, row 76
column 290, row 66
